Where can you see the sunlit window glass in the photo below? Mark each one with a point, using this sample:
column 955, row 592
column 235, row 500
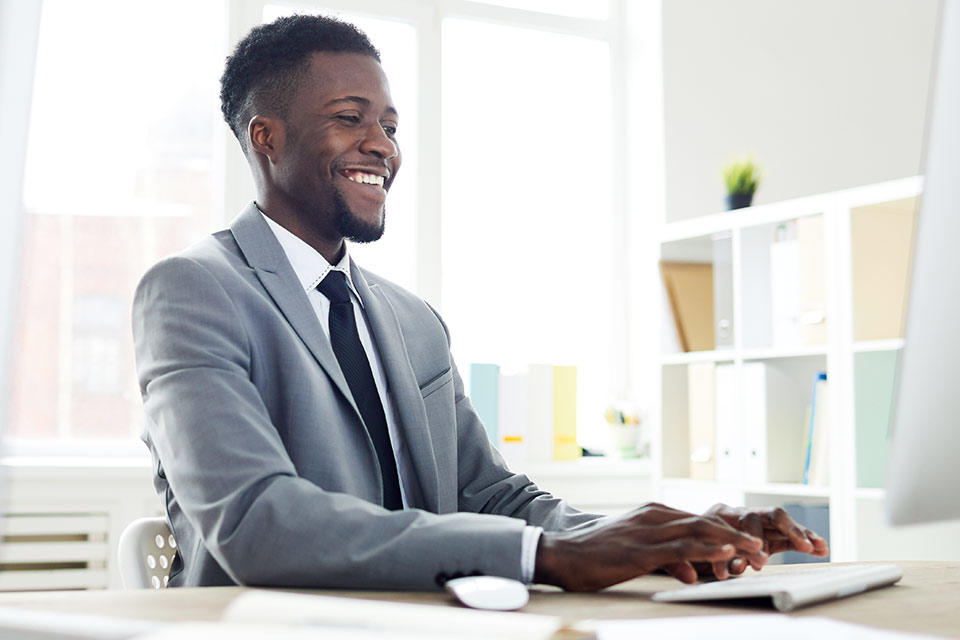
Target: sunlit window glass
column 597, row 9
column 527, row 222
column 119, row 172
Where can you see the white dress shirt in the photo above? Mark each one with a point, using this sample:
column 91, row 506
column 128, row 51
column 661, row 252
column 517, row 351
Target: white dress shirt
column 311, row 268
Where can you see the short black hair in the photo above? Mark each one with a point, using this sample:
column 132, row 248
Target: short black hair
column 266, row 65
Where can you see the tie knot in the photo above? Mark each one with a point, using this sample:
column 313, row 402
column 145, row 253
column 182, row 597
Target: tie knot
column 334, row 287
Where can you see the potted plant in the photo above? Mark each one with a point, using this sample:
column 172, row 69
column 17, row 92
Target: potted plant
column 742, row 178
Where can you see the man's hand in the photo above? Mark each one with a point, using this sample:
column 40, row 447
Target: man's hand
column 637, row 543
column 773, row 525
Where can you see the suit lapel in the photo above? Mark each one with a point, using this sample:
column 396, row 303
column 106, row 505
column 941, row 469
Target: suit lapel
column 403, row 388
column 264, row 254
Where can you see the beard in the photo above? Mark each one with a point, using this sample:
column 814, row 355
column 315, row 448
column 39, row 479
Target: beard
column 352, row 227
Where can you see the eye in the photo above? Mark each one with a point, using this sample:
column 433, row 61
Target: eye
column 390, row 129
column 348, row 118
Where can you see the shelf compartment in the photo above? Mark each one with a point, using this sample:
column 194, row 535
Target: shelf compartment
column 881, row 242
column 783, row 283
column 890, row 344
column 775, row 353
column 717, row 355
column 874, row 374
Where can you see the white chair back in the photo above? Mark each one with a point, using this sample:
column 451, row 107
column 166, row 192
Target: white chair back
column 145, row 553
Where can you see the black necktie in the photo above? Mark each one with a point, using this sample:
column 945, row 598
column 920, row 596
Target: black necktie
column 356, row 369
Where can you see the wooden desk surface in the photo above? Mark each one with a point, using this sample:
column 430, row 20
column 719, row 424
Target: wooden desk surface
column 926, row 600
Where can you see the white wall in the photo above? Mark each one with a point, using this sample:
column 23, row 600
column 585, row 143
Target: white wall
column 828, row 94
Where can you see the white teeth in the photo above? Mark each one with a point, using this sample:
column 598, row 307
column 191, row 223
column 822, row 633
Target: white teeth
column 367, row 178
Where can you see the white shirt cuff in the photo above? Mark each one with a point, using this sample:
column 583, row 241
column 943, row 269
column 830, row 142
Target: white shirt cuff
column 528, row 553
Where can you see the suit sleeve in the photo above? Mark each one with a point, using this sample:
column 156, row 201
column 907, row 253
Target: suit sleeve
column 487, row 486
column 226, row 463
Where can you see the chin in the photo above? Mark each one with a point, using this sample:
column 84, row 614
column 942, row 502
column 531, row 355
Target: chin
column 359, row 229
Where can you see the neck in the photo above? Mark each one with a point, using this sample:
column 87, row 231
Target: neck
column 330, row 246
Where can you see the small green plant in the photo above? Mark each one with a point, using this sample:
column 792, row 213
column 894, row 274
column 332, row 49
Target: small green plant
column 742, row 176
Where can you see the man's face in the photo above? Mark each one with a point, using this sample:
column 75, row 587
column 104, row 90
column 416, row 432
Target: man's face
column 340, row 155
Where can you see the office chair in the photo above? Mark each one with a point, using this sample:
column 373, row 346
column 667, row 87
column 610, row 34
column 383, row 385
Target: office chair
column 145, row 553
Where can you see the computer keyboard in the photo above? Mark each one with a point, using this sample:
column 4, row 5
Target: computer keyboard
column 790, row 589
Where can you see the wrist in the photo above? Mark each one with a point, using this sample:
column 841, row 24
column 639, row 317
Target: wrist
column 547, row 558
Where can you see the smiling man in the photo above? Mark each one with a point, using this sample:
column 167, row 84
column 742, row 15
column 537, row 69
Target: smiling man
column 306, row 419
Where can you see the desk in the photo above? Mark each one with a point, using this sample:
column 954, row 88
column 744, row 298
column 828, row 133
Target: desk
column 926, row 600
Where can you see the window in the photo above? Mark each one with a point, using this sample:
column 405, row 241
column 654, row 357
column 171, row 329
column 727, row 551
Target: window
column 119, row 172
column 527, row 212
column 507, row 214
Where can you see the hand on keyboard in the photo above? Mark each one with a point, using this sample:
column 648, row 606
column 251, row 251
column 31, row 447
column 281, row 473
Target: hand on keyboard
column 773, row 525
column 624, row 547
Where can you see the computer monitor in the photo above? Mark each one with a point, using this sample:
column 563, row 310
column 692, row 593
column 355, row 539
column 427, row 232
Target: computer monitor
column 923, row 474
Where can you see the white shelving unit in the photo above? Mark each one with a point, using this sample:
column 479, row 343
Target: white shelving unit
column 851, row 341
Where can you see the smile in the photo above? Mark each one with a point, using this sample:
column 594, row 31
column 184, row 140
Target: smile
column 363, row 177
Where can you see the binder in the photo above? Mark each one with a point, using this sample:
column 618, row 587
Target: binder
column 485, row 396
column 817, row 468
column 540, row 389
column 565, row 445
column 754, row 375
column 729, row 458
column 813, row 280
column 785, row 292
column 700, row 387
column 512, row 418
column 689, row 287
column 723, row 290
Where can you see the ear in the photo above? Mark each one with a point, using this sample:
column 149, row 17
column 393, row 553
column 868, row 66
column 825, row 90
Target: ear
column 267, row 136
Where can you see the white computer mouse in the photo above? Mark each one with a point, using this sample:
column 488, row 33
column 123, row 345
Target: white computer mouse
column 489, row 592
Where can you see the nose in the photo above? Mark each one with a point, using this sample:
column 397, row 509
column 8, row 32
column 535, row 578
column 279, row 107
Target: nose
column 378, row 143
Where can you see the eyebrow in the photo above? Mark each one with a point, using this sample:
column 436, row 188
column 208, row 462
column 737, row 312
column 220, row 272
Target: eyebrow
column 360, row 100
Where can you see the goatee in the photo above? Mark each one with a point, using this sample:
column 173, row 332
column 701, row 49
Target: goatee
column 352, row 227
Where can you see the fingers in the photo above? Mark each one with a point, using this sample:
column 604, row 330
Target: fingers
column 688, row 551
column 774, row 525
column 720, row 569
column 782, row 522
column 703, row 529
column 820, row 546
column 654, row 513
column 682, row 571
column 738, row 566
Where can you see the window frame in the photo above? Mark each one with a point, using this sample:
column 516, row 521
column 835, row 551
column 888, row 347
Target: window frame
column 633, row 34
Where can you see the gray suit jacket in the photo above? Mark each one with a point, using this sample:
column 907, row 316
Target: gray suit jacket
column 261, row 457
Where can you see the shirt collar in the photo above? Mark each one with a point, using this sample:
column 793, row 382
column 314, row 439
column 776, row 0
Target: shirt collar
column 311, row 267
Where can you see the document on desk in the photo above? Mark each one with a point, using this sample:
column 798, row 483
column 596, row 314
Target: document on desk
column 232, row 631
column 377, row 616
column 735, row 627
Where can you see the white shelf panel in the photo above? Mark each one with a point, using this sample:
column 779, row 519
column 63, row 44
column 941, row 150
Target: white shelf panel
column 722, row 355
column 791, row 209
column 881, row 192
column 699, row 485
column 769, row 488
column 893, row 344
column 788, row 489
column 589, row 467
column 866, row 493
column 771, row 353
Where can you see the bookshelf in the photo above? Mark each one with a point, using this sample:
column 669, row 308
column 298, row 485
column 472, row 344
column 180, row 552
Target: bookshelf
column 844, row 256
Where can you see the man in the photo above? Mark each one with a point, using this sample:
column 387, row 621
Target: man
column 307, row 421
